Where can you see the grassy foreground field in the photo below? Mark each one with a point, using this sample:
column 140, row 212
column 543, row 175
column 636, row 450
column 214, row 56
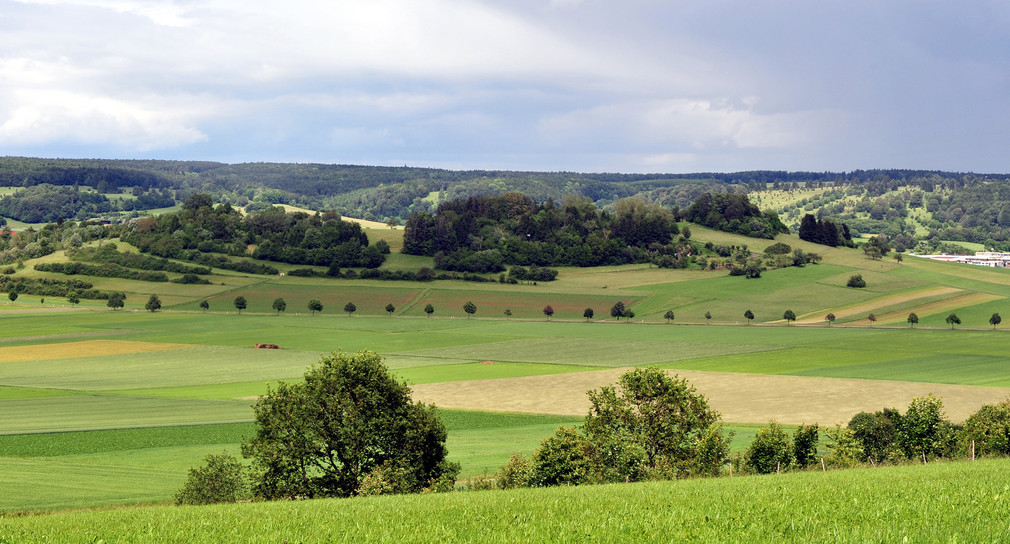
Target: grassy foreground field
column 942, row 502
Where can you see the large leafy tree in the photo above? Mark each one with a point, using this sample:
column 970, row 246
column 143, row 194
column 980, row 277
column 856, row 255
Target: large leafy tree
column 348, row 420
column 279, row 305
column 470, row 308
column 240, row 303
column 665, row 420
column 153, row 304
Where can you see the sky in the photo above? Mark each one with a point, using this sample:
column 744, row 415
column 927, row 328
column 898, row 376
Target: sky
column 632, row 86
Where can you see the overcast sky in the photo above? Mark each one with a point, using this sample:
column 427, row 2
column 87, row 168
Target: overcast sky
column 581, row 85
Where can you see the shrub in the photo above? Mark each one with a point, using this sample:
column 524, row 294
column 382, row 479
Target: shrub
column 221, row 479
column 845, row 449
column 191, row 279
column 778, row 249
column 856, row 280
column 805, row 445
column 989, row 428
column 923, row 430
column 876, row 434
column 769, row 451
column 516, row 472
column 562, row 459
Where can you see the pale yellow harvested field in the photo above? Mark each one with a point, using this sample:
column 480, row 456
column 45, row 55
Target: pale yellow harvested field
column 742, row 398
column 938, row 307
column 86, row 348
column 865, row 307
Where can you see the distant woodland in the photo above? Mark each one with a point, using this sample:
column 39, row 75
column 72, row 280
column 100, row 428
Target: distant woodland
column 907, row 207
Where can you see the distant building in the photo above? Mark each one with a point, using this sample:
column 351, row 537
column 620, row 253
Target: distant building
column 992, row 259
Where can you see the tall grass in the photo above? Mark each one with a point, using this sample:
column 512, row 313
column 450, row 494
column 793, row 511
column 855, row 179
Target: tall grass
column 942, row 502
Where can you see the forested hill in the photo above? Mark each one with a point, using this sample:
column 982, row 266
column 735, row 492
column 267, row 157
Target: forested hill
column 383, row 192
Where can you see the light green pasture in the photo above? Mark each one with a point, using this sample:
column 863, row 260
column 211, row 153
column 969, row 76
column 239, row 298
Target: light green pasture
column 88, row 412
column 590, row 352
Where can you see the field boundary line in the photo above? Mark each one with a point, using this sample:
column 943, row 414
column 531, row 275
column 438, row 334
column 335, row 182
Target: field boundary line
column 414, row 301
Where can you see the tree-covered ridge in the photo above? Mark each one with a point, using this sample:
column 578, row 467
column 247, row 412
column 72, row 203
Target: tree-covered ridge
column 483, row 234
column 734, row 213
column 825, row 231
column 297, row 238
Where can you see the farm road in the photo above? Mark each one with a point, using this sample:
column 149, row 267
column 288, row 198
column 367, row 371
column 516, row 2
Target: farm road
column 742, row 398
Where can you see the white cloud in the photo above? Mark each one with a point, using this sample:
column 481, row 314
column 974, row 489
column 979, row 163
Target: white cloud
column 62, row 115
column 159, row 12
column 689, row 125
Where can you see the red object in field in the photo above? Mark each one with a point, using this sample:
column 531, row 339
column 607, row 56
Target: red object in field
column 267, row 346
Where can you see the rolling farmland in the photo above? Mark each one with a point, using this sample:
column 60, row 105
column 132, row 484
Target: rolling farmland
column 93, row 394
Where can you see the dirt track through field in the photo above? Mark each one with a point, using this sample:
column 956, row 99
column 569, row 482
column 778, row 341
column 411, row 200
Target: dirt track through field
column 742, row 398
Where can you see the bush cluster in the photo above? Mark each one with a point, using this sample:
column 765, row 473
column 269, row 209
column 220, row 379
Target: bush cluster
column 104, row 270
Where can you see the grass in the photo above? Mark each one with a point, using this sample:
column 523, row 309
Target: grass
column 83, row 442
column 94, row 412
column 88, row 375
column 963, row 502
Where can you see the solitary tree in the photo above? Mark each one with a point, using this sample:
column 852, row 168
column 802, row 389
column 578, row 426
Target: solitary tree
column 429, row 309
column 749, row 315
column 789, row 316
column 279, row 305
column 588, row 314
column 668, row 316
column 315, row 306
column 240, row 303
column 390, row 309
column 73, row 298
column 470, row 308
column 349, row 423
column 872, row 319
column 617, row 310
column 912, row 319
column 153, row 304
column 548, row 311
column 12, row 295
column 856, row 280
column 116, row 300
column 952, row 320
column 898, row 257
column 508, row 313
column 830, row 318
column 995, row 320
column 708, row 317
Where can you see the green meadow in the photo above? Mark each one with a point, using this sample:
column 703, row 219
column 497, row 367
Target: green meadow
column 899, row 504
column 78, row 418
